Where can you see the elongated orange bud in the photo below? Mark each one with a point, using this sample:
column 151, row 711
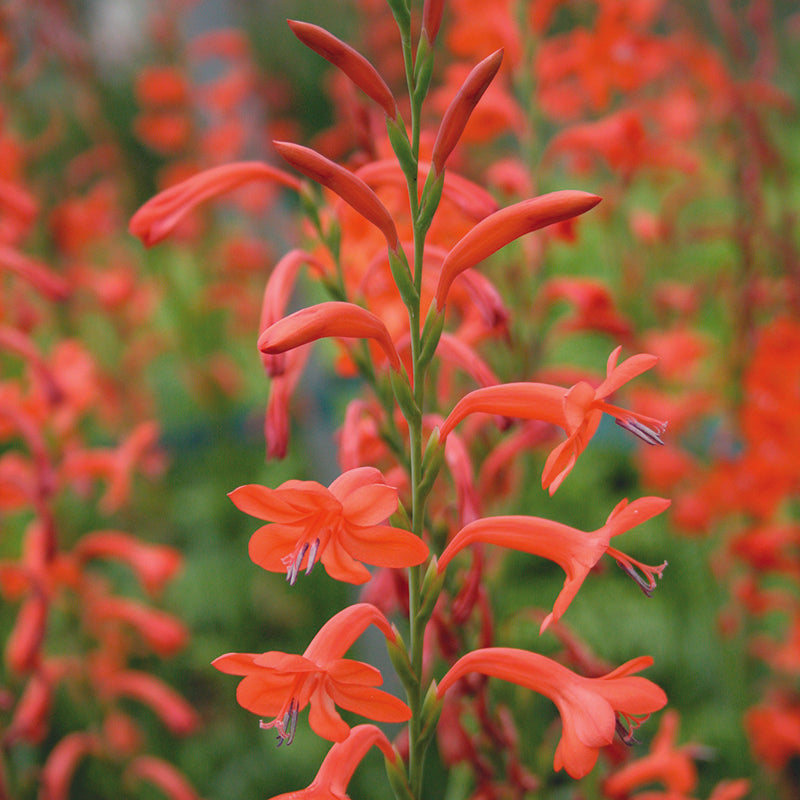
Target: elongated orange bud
column 158, row 217
column 334, row 318
column 163, row 775
column 341, row 181
column 506, row 225
column 349, row 61
column 62, row 762
column 455, row 118
column 432, row 18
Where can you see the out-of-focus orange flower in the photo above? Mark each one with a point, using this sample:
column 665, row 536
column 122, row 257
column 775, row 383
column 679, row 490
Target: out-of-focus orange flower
column 589, row 707
column 158, row 217
column 280, row 685
column 341, row 526
column 670, row 765
column 575, row 551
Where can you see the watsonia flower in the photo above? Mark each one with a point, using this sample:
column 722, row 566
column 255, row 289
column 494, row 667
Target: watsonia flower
column 574, row 550
column 589, row 707
column 341, row 526
column 280, row 685
column 577, row 410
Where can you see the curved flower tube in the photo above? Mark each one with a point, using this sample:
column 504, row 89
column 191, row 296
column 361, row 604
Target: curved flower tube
column 159, row 216
column 341, row 526
column 280, row 685
column 331, row 319
column 506, row 225
column 589, row 707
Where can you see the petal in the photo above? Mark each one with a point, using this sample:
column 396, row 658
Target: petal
column 267, row 697
column 354, row 479
column 576, row 405
column 384, row 546
column 264, row 503
column 626, row 371
column 337, row 635
column 371, row 703
column 270, row 544
column 236, row 663
column 370, row 505
column 324, row 719
column 341, row 566
column 345, row 670
column 289, row 663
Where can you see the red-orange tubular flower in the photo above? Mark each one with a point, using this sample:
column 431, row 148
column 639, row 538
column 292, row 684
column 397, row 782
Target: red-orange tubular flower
column 280, row 685
column 159, row 216
column 589, row 707
column 339, row 765
column 577, row 410
column 455, row 118
column 333, row 318
column 349, row 61
column 342, row 182
column 341, row 526
column 506, row 225
column 574, row 550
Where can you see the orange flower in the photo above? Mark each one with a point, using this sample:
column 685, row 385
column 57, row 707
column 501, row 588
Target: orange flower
column 280, row 685
column 157, row 218
column 341, row 526
column 589, row 707
column 577, row 410
column 575, row 551
column 349, row 61
column 331, row 319
column 339, row 765
column 506, row 225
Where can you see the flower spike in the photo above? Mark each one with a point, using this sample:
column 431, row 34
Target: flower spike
column 159, row 216
column 350, row 61
column 506, row 225
column 342, row 182
column 333, row 318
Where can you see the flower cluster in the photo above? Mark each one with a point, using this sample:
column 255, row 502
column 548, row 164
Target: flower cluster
column 395, row 242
